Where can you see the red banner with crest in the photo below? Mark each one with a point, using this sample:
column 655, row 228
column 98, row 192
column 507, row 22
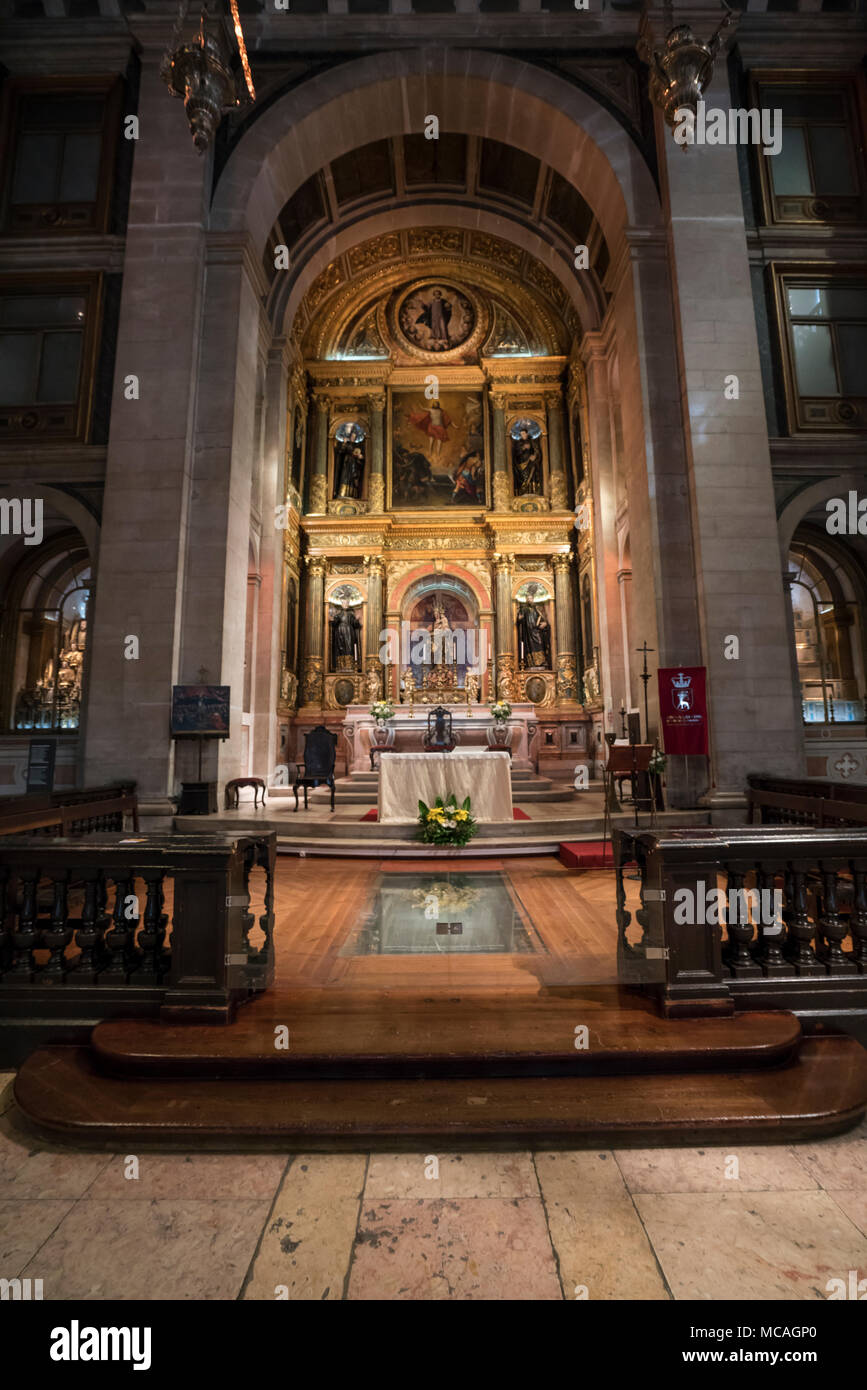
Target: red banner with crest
column 683, row 708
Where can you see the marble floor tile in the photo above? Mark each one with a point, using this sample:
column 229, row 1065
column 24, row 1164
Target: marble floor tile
column 30, row 1169
column 229, row 1176
column 471, row 1249
column 760, row 1169
column 853, row 1205
column 306, row 1246
column 25, row 1225
column 602, row 1248
column 836, row 1163
column 454, row 1175
column 151, row 1250
column 751, row 1246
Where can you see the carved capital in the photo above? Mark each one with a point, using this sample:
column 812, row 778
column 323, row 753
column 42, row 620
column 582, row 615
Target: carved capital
column 561, row 563
column 315, row 566
column 499, row 400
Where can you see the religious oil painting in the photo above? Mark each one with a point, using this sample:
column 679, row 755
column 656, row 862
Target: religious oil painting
column 438, row 450
column 436, row 317
column 200, row 709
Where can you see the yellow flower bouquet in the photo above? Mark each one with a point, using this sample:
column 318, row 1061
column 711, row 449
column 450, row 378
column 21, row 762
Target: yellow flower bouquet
column 446, row 823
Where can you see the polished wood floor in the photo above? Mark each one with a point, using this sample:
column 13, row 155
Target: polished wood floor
column 320, row 903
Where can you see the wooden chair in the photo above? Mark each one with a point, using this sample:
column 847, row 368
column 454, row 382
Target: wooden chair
column 320, row 755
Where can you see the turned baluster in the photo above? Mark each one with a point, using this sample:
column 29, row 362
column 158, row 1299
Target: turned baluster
column 26, row 938
column 799, row 934
column 88, row 938
column 58, row 934
column 118, row 941
column 248, row 919
column 858, row 919
column 740, row 929
column 153, row 961
column 266, row 921
column 770, row 933
column 833, row 928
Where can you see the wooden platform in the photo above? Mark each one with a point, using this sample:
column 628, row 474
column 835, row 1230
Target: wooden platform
column 465, row 1037
column 822, row 1092
column 393, row 1052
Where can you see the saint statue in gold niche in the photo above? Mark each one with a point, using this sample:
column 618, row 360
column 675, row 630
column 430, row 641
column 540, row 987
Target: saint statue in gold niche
column 349, row 458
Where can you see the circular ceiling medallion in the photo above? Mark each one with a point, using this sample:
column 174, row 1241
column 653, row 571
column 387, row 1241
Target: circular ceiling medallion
column 436, row 320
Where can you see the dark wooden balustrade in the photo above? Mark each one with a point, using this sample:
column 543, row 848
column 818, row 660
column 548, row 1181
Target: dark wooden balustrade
column 804, row 801
column 85, row 934
column 70, row 812
column 811, row 957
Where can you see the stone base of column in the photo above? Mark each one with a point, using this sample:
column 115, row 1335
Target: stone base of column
column 318, row 497
column 376, row 493
column 726, row 807
column 502, row 493
column 312, row 685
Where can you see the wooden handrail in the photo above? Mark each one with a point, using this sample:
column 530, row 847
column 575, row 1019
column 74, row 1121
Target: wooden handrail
column 787, row 801
column 84, row 933
column 708, row 941
column 75, row 812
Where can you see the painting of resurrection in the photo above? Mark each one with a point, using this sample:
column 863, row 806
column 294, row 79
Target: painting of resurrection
column 438, row 450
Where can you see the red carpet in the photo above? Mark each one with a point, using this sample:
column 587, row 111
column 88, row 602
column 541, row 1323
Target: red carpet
column 517, row 814
column 587, row 854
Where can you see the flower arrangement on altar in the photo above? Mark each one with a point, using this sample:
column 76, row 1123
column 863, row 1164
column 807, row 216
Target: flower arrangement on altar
column 446, row 823
column 382, row 709
column 501, row 710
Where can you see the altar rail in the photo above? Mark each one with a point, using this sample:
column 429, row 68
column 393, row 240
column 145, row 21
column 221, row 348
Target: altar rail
column 802, row 946
column 804, row 801
column 71, row 812
column 84, row 934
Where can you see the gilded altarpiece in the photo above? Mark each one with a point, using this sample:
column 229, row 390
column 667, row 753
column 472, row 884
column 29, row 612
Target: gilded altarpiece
column 440, row 480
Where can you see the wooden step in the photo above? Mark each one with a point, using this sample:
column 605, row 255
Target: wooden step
column 64, row 1097
column 469, row 1037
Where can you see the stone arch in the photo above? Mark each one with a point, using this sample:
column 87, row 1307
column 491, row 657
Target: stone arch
column 474, row 92
column 805, row 500
column 422, row 579
column 290, row 292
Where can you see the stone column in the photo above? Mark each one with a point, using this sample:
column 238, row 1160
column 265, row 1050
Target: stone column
column 558, row 490
column 506, row 680
column 313, row 688
column 376, row 478
column 317, row 497
column 755, row 725
column 149, row 519
column 373, row 668
column 266, row 681
column 564, row 608
column 502, row 492
column 624, row 579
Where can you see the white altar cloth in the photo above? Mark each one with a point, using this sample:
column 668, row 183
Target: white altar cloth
column 407, row 778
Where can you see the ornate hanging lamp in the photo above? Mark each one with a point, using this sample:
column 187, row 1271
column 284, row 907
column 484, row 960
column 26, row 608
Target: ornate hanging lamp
column 682, row 69
column 200, row 74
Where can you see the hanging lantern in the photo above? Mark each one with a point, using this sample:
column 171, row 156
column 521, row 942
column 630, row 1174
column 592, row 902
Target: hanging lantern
column 199, row 73
column 682, row 69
